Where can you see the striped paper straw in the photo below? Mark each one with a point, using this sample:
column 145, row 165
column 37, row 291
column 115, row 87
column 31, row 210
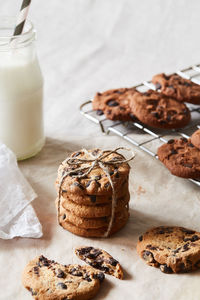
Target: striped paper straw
column 22, row 17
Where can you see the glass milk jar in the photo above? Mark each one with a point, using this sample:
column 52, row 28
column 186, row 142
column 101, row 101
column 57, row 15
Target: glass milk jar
column 21, row 91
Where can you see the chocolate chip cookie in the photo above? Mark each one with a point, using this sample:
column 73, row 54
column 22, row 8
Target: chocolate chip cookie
column 101, row 260
column 93, row 200
column 157, row 110
column 90, row 223
column 96, row 232
column 181, row 158
column 172, row 249
column 115, row 104
column 178, row 88
column 100, row 210
column 46, row 279
column 195, row 138
column 96, row 182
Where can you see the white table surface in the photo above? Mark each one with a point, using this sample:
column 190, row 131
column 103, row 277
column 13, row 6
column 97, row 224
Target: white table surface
column 86, row 46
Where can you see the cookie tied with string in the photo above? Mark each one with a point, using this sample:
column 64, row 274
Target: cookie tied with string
column 93, row 184
column 96, row 181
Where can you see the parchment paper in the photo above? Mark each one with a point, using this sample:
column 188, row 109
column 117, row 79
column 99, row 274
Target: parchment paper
column 157, row 198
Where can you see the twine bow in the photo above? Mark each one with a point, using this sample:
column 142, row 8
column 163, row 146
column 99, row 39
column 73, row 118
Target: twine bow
column 90, row 163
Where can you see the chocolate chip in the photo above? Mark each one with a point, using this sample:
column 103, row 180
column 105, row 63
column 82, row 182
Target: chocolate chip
column 185, row 247
column 140, row 238
column 166, row 269
column 194, row 238
column 184, row 140
column 150, row 247
column 33, row 293
column 97, row 177
column 186, row 83
column 158, row 86
column 94, row 254
column 111, row 173
column 76, row 272
column 62, row 285
column 93, row 198
column 122, row 108
column 99, row 276
column 188, row 231
column 64, row 191
column 113, row 262
column 177, row 250
column 87, row 277
column 161, row 231
column 64, row 216
column 78, row 185
column 99, row 94
column 173, row 151
column 95, row 152
column 191, row 145
column 84, row 250
column 170, row 141
column 107, row 185
column 45, row 262
column 155, row 114
column 165, row 76
column 148, row 256
column 88, row 183
column 99, row 112
column 76, row 154
column 112, row 103
column 97, row 183
column 36, row 270
column 61, row 274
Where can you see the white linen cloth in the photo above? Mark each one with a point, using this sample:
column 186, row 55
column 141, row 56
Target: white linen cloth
column 18, row 218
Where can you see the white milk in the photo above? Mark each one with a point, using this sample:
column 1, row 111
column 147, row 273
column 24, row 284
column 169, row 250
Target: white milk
column 21, row 98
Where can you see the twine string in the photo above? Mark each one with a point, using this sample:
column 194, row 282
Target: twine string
column 83, row 166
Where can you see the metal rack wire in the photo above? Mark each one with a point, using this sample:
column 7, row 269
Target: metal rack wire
column 144, row 137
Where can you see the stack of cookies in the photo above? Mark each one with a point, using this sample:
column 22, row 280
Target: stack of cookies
column 85, row 201
column 161, row 108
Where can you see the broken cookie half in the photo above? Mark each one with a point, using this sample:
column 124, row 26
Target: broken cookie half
column 101, row 260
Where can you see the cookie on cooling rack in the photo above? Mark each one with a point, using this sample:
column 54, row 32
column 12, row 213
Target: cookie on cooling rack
column 46, row 279
column 172, row 249
column 101, row 260
column 181, row 158
column 157, row 110
column 115, row 104
column 178, row 88
column 195, row 138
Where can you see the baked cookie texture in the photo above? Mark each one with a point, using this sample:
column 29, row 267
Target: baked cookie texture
column 195, row 138
column 181, row 157
column 156, row 110
column 84, row 205
column 96, row 182
column 115, row 104
column 46, row 279
column 172, row 249
column 177, row 87
column 101, row 260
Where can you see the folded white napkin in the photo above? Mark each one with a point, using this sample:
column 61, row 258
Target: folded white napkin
column 17, row 216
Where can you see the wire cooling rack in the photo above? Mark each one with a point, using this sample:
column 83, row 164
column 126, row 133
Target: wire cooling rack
column 144, row 137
